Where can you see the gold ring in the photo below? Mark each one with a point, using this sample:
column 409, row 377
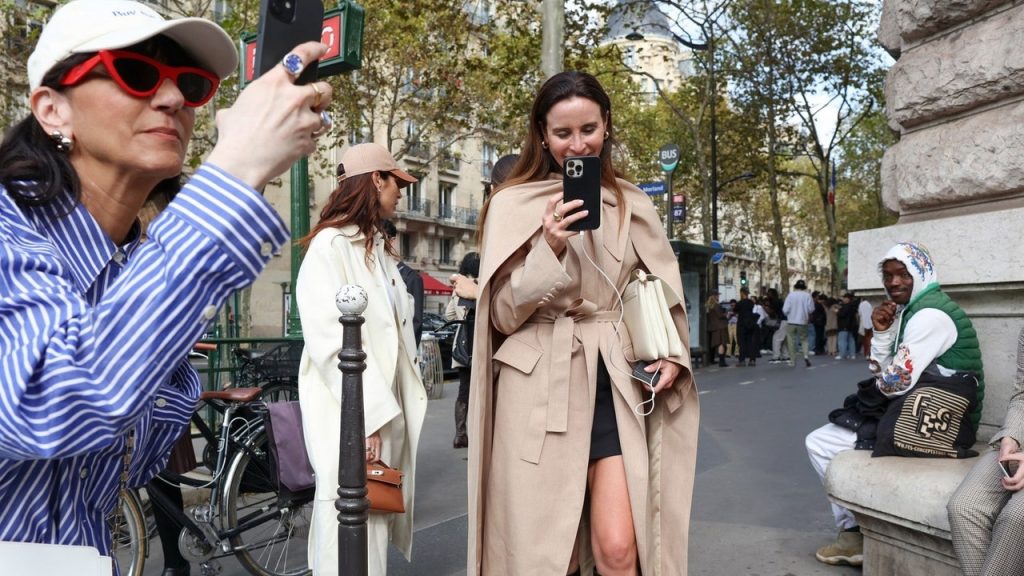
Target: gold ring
column 317, row 97
column 556, row 216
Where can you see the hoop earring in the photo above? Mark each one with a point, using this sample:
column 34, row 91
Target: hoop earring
column 543, row 144
column 605, row 134
column 61, row 142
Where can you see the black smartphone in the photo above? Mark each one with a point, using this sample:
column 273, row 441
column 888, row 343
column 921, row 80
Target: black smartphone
column 651, row 379
column 284, row 24
column 581, row 180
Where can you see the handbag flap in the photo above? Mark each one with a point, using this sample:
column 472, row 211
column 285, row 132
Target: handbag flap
column 381, row 472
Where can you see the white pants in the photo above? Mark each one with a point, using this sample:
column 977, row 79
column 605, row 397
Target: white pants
column 822, row 446
column 778, row 338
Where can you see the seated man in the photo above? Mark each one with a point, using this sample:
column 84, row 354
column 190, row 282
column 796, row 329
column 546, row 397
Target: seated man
column 917, row 326
column 986, row 511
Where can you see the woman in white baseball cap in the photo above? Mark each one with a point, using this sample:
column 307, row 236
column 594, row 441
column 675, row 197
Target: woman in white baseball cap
column 95, row 322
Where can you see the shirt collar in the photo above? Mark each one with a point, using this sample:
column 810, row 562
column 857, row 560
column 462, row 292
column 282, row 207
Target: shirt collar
column 79, row 240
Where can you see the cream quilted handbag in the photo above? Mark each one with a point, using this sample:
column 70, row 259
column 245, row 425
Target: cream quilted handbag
column 646, row 305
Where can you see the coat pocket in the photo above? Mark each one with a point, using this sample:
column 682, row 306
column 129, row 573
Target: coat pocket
column 517, row 354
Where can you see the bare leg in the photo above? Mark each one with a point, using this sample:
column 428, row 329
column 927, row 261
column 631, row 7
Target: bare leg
column 611, row 518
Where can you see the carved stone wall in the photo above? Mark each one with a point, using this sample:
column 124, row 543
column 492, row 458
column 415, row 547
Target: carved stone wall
column 956, row 176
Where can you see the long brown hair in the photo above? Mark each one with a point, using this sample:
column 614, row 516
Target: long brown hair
column 354, row 201
column 536, row 162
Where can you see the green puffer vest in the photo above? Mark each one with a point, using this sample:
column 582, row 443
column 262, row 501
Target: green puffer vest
column 965, row 354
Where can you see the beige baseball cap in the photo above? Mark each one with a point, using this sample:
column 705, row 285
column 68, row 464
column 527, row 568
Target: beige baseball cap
column 372, row 157
column 83, row 26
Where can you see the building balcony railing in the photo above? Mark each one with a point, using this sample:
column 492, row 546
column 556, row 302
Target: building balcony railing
column 418, row 150
column 448, row 162
column 442, row 212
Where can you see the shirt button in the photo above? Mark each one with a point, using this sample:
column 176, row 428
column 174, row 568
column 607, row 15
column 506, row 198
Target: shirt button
column 266, row 249
column 161, row 402
column 119, row 257
column 209, row 312
column 83, row 473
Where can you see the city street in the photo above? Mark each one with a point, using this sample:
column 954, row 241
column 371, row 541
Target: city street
column 759, row 509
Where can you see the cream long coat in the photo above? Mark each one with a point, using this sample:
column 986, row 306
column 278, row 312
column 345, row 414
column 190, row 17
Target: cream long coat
column 394, row 398
column 542, row 322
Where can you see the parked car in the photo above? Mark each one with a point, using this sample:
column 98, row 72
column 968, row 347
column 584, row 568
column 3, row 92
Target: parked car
column 445, row 335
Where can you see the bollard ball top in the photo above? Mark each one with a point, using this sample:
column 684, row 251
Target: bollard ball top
column 351, row 299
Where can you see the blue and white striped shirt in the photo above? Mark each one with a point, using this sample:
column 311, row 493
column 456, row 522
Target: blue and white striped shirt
column 93, row 339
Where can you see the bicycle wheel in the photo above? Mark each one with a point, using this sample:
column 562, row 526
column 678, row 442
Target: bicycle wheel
column 130, row 539
column 272, row 527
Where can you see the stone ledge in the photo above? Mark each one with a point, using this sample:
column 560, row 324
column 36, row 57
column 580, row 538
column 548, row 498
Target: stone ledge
column 958, row 72
column 918, row 19
column 900, row 505
column 907, row 492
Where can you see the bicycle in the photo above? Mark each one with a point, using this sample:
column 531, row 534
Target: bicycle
column 275, row 370
column 246, row 514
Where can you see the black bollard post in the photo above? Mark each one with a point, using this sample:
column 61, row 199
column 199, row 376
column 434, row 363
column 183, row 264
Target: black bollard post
column 352, row 504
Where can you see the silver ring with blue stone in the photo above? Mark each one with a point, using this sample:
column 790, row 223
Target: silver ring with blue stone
column 292, row 63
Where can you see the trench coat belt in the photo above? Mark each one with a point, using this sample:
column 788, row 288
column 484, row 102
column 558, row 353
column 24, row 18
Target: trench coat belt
column 551, row 412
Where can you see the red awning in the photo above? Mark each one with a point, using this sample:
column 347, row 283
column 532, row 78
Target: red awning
column 433, row 286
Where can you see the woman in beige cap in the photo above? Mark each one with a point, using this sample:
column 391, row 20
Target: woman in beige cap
column 348, row 246
column 96, row 322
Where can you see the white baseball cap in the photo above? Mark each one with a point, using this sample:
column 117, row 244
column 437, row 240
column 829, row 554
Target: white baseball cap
column 83, row 26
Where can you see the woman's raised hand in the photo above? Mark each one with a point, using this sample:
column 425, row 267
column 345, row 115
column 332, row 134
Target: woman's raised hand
column 556, row 224
column 273, row 122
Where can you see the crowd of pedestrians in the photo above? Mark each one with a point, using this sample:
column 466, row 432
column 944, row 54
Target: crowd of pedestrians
column 805, row 324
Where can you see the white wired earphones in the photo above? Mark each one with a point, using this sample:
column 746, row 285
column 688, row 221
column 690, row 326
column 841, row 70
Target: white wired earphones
column 639, row 409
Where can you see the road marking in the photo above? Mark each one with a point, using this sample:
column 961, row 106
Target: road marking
column 703, row 392
column 746, row 382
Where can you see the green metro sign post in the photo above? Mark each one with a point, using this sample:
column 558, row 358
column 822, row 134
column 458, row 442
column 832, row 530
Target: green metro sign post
column 668, row 158
column 343, row 35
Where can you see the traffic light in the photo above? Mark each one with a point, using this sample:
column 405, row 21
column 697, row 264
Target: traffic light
column 743, row 278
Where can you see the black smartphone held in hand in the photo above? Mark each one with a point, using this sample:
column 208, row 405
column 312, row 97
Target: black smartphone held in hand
column 581, row 180
column 651, row 379
column 284, row 24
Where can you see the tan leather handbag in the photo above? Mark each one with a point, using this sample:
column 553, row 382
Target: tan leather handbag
column 384, row 488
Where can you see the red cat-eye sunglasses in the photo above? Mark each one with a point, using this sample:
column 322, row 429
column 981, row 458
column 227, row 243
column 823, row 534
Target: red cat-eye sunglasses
column 141, row 76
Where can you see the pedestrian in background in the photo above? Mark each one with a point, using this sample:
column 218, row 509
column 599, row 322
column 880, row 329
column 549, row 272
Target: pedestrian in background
column 848, row 324
column 410, row 276
column 462, row 307
column 732, row 344
column 747, row 324
column 832, row 327
column 864, row 315
column 549, row 488
column 818, row 320
column 97, row 322
column 348, row 246
column 798, row 308
column 718, row 327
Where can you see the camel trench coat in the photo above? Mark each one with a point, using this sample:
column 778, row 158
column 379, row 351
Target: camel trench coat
column 394, row 399
column 542, row 324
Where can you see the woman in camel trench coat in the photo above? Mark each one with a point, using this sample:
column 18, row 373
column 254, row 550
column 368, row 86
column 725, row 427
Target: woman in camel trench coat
column 568, row 474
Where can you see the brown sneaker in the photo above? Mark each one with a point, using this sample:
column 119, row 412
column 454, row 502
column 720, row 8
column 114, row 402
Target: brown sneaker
column 847, row 549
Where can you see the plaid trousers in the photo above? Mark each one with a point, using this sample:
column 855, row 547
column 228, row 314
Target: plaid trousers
column 987, row 522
